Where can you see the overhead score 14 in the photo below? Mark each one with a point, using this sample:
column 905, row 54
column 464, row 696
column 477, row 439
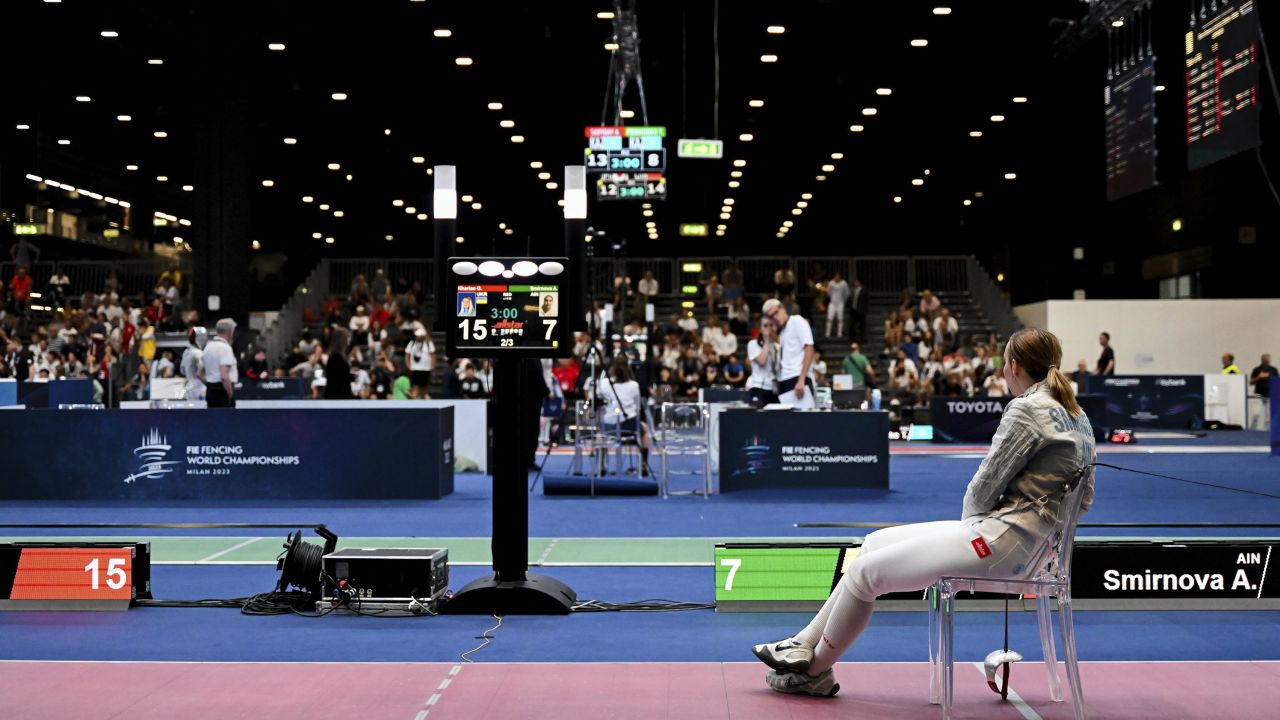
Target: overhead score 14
column 631, row 160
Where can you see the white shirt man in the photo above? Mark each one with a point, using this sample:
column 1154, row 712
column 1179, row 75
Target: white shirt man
column 629, row 395
column 219, row 366
column 726, row 344
column 945, row 328
column 648, row 285
column 795, row 355
column 837, row 297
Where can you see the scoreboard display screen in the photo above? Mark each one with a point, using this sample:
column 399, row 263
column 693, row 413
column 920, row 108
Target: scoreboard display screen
column 87, row 575
column 1131, row 130
column 1222, row 84
column 507, row 307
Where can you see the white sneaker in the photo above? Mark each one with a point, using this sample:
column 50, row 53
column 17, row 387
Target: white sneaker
column 788, row 655
column 824, row 685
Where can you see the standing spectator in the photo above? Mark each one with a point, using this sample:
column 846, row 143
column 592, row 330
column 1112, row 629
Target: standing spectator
column 732, row 280
column 857, row 367
column 837, row 297
column 739, row 316
column 1229, row 366
column 219, row 362
column 1261, row 376
column 1106, row 360
column 648, row 286
column 146, row 340
column 21, row 251
column 191, row 365
column 858, row 302
column 929, row 304
column 337, row 370
column 945, row 329
column 20, row 287
column 59, row 284
column 715, row 294
column 795, row 355
column 784, row 282
column 378, row 286
column 421, row 361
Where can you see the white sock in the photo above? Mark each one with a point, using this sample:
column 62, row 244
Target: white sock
column 849, row 617
column 812, row 632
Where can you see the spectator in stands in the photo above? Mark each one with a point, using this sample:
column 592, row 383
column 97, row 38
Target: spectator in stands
column 735, row 373
column 382, row 377
column 711, row 376
column 402, row 388
column 59, row 284
column 795, row 355
column 566, row 373
column 689, row 372
column 161, row 368
column 893, row 330
column 1082, row 370
column 902, row 360
column 256, row 368
column 484, row 373
column 470, row 387
column 337, row 369
column 929, row 305
column 19, row 360
column 21, row 252
column 726, row 344
column 378, row 286
column 982, row 364
column 857, row 367
column 784, row 282
column 1106, row 360
column 146, row 340
column 1229, row 366
column 906, row 301
column 663, row 389
column 20, row 287
column 818, row 370
column 138, row 387
column 648, row 286
column 903, row 380
column 156, row 311
column 731, row 278
column 932, row 375
column 859, row 300
column 995, row 385
column 714, row 295
column 359, row 327
column 739, row 315
column 688, row 323
column 332, row 308
column 837, row 298
column 945, row 329
column 219, row 363
column 421, row 361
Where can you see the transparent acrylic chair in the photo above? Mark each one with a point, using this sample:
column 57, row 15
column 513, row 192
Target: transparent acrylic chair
column 1053, row 580
column 681, row 429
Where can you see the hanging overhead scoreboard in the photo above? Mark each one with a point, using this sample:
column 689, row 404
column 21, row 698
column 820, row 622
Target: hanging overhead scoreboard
column 507, row 307
column 631, row 161
column 1223, row 115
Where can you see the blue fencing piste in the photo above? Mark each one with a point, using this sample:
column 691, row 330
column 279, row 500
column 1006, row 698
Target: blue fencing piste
column 227, row 454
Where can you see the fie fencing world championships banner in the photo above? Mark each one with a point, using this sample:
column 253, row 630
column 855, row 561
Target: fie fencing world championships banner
column 1153, row 401
column 226, row 454
column 792, row 448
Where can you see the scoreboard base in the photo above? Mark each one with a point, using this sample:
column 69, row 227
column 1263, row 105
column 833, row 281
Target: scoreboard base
column 535, row 595
column 45, row 605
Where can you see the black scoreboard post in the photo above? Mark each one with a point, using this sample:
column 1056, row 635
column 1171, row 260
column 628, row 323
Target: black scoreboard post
column 511, row 310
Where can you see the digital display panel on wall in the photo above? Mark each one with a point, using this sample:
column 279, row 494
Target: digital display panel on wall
column 1222, row 84
column 1131, row 130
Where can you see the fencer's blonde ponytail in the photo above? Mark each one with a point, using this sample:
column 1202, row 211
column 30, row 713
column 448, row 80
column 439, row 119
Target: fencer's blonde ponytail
column 1040, row 354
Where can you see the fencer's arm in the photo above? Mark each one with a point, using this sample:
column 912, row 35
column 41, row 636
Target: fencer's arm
column 1086, row 502
column 1013, row 445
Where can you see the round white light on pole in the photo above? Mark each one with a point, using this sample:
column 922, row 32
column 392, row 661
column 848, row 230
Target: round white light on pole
column 491, row 268
column 551, row 268
column 525, row 268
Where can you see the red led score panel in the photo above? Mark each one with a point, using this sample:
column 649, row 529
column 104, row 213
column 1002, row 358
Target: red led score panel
column 74, row 574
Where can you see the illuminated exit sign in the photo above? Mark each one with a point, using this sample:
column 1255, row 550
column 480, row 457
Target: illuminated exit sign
column 711, row 149
column 26, row 229
column 693, row 230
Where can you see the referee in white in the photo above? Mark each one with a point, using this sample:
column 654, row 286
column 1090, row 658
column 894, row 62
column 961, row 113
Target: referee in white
column 795, row 351
column 219, row 366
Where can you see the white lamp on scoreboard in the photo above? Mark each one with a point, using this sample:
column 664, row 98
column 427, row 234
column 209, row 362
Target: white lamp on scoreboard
column 445, row 199
column 575, row 192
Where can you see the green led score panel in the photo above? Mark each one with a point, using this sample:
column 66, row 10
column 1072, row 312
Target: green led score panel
column 778, row 573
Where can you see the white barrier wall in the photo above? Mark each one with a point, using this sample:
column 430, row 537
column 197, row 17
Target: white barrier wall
column 1161, row 337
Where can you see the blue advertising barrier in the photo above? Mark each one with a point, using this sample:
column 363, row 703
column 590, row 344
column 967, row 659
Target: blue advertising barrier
column 976, row 419
column 272, row 389
column 55, row 392
column 790, row 448
column 226, row 454
column 8, row 392
column 1152, row 401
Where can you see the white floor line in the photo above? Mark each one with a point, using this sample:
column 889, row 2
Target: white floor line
column 1014, row 698
column 231, row 549
column 542, row 560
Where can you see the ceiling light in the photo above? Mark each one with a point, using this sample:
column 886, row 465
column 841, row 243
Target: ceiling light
column 729, row 201
column 997, row 118
column 975, row 133
column 442, row 32
column 422, row 216
column 162, row 178
column 160, row 134
column 739, row 163
column 604, row 15
column 780, row 235
column 389, row 238
column 967, row 202
column 977, row 194
column 917, row 181
column 647, row 213
column 110, row 34
column 131, row 167
column 397, row 203
column 517, row 138
column 410, row 210
column 387, row 131
column 736, row 174
column 462, row 61
column 755, row 103
column 734, row 184
column 797, row 211
column 277, row 47
column 324, row 207
column 828, row 168
column 552, row 185
column 307, row 199
column 721, row 227
column 1010, row 176
column 884, row 91
column 726, row 209
column 919, row 42
column 897, row 198
column 339, row 96
column 1021, row 99
column 83, row 98
column 926, row 171
column 21, row 126
column 536, row 164
column 418, row 159
column 1117, row 23
column 719, row 233
column 775, row 29
column 802, row 204
column 788, row 223
column 329, row 241
column 257, row 245
column 611, row 46
column 459, row 239
column 806, row 196
column 291, row 141
column 495, row 106
column 837, row 156
column 768, row 58
column 628, row 114
column 942, row 11
column 467, row 198
column 317, row 236
column 155, row 61
column 1159, row 88
column 268, row 183
column 544, row 176
column 868, row 111
column 188, row 188
column 507, row 123
column 746, row 137
column 651, row 224
column 334, row 166
column 124, row 118
column 338, row 213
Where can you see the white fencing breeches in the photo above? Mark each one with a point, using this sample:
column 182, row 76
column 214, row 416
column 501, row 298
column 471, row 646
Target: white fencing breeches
column 835, row 312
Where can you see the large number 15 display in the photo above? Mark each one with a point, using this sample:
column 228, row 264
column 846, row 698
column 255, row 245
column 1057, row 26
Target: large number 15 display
column 506, row 307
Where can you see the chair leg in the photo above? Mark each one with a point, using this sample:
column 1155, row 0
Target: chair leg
column 706, row 475
column 1069, row 654
column 1044, row 615
column 948, row 647
column 935, row 647
column 662, row 472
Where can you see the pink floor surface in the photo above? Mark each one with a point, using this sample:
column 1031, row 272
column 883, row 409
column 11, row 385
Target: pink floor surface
column 622, row 691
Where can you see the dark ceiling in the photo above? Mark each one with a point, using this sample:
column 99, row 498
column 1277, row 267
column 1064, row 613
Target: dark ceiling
column 546, row 63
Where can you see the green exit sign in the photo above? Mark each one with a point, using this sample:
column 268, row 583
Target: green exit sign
column 693, row 230
column 700, row 149
column 26, row 229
